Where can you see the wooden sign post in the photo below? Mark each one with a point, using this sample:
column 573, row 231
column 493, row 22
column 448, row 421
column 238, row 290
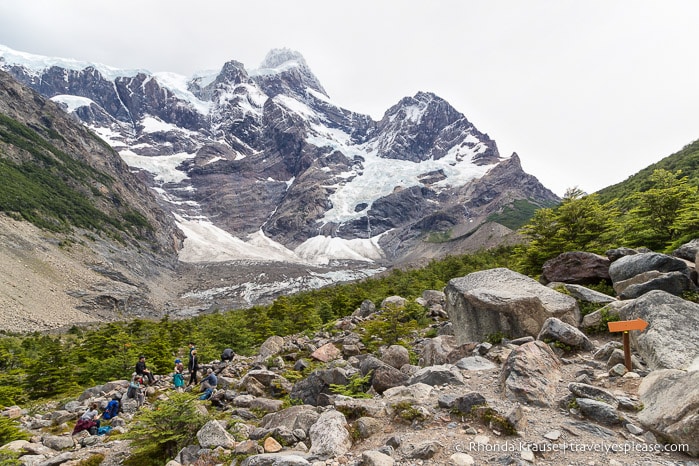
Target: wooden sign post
column 626, row 326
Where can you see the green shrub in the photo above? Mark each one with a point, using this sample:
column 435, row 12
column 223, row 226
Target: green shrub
column 10, row 431
column 160, row 432
column 355, row 388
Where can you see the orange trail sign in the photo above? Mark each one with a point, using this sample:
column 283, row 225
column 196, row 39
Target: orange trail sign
column 626, row 326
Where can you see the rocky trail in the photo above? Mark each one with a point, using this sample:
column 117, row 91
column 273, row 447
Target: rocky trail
column 559, row 397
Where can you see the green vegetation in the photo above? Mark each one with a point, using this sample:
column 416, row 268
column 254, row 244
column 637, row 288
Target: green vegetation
column 406, row 411
column 161, row 431
column 356, row 388
column 56, row 191
column 516, row 214
column 661, row 217
column 10, row 431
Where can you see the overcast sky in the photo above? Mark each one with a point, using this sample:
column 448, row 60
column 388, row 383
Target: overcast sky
column 586, row 92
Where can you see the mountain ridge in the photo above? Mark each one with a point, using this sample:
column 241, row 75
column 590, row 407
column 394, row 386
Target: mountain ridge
column 261, row 165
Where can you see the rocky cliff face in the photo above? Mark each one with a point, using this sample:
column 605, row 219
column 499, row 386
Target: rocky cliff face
column 267, row 150
column 104, row 266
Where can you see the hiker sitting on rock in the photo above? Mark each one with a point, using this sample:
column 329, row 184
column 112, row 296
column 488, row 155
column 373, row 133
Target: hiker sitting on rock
column 89, row 421
column 135, row 390
column 143, row 371
column 210, row 381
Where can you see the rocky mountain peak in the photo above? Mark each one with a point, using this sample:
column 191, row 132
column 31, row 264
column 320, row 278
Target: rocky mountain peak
column 284, row 71
column 233, row 72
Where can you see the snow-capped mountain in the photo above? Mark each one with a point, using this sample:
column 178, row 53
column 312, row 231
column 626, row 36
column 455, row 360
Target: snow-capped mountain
column 262, row 165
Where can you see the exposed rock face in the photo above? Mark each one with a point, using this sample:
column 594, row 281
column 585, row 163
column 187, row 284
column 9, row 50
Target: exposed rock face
column 670, row 341
column 688, row 251
column 272, row 140
column 577, row 267
column 502, row 301
column 530, row 374
column 671, row 406
column 116, row 270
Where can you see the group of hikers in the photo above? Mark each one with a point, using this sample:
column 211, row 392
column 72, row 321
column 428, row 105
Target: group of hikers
column 90, row 420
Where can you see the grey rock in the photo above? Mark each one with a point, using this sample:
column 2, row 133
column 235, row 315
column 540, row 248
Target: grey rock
column 295, row 417
column 475, row 363
column 672, row 282
column 530, row 374
column 632, row 265
column 557, row 330
column 465, row 403
column 271, row 347
column 365, row 309
column 585, row 294
column 634, row 429
column 599, row 411
column 276, row 459
column 213, row 435
column 581, row 390
column 386, row 377
column 582, row 268
column 671, row 406
column 670, row 340
column 618, row 253
column 58, row 442
column 396, row 356
column 330, row 435
column 606, row 350
column 618, row 370
column 438, row 375
column 483, row 348
column 368, row 426
column 688, row 251
column 617, row 357
column 393, row 301
column 503, row 301
column 376, row 458
column 435, row 351
column 521, row 341
column 426, row 450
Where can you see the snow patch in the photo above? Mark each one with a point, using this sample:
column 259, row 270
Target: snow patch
column 164, row 167
column 322, row 249
column 38, row 64
column 72, row 102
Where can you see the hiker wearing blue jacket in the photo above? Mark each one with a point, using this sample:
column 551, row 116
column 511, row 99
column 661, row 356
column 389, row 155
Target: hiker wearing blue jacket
column 112, row 409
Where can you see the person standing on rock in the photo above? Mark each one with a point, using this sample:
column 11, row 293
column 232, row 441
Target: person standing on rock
column 193, row 367
column 177, row 377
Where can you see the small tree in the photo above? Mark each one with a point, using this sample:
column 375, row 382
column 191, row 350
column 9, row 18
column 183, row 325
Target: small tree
column 163, row 430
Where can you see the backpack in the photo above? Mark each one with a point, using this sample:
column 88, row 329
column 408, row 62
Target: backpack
column 132, row 391
column 104, row 430
column 112, row 409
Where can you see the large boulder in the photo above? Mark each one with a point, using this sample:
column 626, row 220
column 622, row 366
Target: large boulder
column 630, row 266
column 637, row 274
column 671, row 406
column 672, row 282
column 578, row 267
column 296, row 417
column 688, row 251
column 330, row 435
column 670, row 341
column 530, row 374
column 501, row 301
